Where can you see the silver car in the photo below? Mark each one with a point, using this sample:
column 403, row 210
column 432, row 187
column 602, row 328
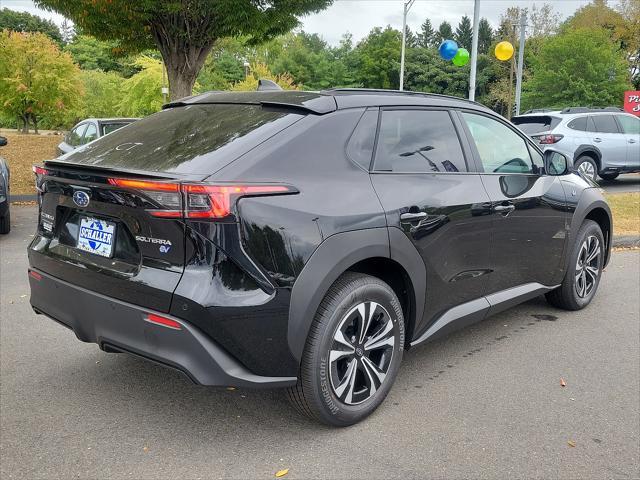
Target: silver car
column 90, row 129
column 601, row 142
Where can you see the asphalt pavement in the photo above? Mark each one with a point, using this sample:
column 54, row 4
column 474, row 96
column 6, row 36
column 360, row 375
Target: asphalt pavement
column 629, row 182
column 486, row 402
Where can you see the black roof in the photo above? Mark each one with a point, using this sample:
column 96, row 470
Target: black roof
column 327, row 100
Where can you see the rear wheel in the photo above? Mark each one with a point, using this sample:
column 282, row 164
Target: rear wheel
column 353, row 352
column 585, row 268
column 609, row 176
column 587, row 166
column 5, row 223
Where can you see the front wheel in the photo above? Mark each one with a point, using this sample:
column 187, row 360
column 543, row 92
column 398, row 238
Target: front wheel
column 585, row 269
column 353, row 352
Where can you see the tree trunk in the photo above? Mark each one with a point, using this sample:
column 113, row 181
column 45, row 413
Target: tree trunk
column 25, row 123
column 183, row 59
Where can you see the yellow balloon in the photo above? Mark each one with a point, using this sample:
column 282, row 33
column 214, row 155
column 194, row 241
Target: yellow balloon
column 504, row 51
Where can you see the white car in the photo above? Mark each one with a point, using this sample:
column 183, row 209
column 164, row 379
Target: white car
column 88, row 130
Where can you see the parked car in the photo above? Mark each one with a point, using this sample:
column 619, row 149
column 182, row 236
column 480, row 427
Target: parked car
column 5, row 206
column 601, row 142
column 305, row 240
column 90, row 129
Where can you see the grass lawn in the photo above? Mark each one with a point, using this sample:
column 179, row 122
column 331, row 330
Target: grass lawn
column 625, row 208
column 22, row 151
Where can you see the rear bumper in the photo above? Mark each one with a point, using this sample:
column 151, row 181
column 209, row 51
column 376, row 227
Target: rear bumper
column 119, row 326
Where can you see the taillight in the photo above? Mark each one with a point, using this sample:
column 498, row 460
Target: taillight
column 548, row 139
column 39, row 172
column 164, row 321
column 217, row 201
column 166, row 194
column 201, row 201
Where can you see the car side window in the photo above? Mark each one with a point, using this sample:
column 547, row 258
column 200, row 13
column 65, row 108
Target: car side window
column 75, row 136
column 605, row 124
column 579, row 123
column 630, row 125
column 418, row 141
column 362, row 141
column 501, row 149
column 90, row 134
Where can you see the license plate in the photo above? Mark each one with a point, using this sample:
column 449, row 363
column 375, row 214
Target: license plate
column 96, row 236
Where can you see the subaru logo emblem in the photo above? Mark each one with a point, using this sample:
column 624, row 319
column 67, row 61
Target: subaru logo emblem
column 80, row 198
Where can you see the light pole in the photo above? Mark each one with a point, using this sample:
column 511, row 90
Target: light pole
column 474, row 50
column 523, row 24
column 246, row 66
column 407, row 6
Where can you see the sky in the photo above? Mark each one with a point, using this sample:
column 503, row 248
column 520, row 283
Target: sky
column 359, row 16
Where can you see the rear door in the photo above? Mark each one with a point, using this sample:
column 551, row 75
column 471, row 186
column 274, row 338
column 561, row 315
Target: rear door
column 630, row 127
column 422, row 177
column 607, row 137
column 528, row 208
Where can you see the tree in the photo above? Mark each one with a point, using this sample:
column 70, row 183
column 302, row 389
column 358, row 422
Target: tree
column 260, row 70
column 485, row 35
column 464, row 33
column 142, row 93
column 91, row 54
column 67, row 32
column 630, row 10
column 445, row 32
column 543, row 21
column 577, row 67
column 25, row 22
column 426, row 37
column 427, row 72
column 379, row 58
column 36, row 79
column 411, row 41
column 183, row 31
column 102, row 94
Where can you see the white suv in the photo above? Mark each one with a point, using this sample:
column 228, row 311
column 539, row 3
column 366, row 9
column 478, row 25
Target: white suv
column 601, row 142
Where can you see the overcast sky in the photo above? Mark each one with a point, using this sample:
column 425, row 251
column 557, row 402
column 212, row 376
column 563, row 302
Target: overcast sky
column 360, row 16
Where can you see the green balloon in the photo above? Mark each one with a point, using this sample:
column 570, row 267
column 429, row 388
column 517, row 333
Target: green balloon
column 461, row 58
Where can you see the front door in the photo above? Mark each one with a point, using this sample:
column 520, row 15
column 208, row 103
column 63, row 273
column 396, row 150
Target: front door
column 421, row 176
column 528, row 208
column 631, row 130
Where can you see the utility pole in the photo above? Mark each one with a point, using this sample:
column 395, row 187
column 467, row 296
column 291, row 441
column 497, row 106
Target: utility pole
column 523, row 24
column 407, row 6
column 474, row 50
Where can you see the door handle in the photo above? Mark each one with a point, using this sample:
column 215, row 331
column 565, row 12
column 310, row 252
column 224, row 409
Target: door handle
column 597, row 139
column 412, row 217
column 631, row 140
column 504, row 208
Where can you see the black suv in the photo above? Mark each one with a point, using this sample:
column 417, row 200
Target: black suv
column 305, row 240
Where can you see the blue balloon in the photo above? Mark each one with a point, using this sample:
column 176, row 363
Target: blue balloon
column 448, row 49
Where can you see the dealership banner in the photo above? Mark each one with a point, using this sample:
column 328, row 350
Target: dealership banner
column 632, row 102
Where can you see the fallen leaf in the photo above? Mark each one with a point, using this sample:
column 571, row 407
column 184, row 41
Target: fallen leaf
column 282, row 473
column 145, row 449
column 562, row 382
column 22, row 296
column 571, row 443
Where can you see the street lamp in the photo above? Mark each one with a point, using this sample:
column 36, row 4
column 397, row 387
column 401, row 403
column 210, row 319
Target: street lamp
column 246, row 69
column 407, row 6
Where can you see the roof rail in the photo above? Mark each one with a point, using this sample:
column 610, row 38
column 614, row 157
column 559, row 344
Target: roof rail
column 591, row 109
column 396, row 92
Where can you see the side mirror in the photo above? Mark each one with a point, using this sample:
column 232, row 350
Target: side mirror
column 555, row 163
column 3, row 141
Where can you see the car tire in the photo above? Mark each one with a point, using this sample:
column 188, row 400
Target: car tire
column 587, row 166
column 5, row 223
column 609, row 176
column 585, row 269
column 346, row 373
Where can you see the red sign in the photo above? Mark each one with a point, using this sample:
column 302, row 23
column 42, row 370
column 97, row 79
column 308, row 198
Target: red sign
column 632, row 102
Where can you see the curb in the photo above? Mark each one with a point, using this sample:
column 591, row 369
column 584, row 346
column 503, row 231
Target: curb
column 626, row 241
column 23, row 198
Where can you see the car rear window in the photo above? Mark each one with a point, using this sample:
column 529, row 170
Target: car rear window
column 536, row 123
column 196, row 139
column 112, row 127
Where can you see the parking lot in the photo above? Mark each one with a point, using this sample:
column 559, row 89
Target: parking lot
column 487, row 402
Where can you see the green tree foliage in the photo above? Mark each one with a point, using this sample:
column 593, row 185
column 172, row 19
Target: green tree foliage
column 261, row 71
column 543, row 21
column 464, row 33
column 184, row 31
column 485, row 36
column 427, row 72
column 426, row 36
column 102, row 94
column 91, row 54
column 577, row 67
column 379, row 58
column 411, row 40
column 25, row 22
column 141, row 94
column 37, row 79
column 445, row 32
